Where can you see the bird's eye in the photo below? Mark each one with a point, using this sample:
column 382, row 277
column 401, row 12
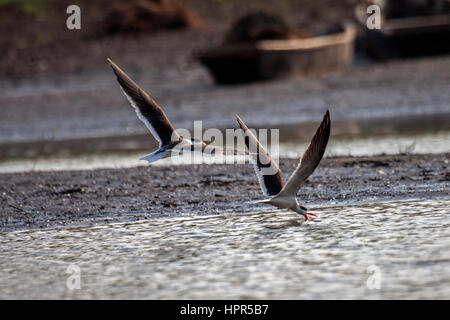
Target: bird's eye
column 303, row 208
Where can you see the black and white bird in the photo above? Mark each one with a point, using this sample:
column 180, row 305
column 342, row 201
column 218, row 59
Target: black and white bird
column 269, row 175
column 149, row 112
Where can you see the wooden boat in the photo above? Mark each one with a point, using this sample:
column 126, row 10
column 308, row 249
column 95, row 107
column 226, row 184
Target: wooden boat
column 268, row 59
column 405, row 37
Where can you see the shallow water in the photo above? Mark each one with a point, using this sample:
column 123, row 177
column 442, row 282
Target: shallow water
column 371, row 251
column 361, row 146
column 419, row 143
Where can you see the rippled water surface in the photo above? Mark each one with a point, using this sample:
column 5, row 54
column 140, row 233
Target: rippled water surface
column 401, row 247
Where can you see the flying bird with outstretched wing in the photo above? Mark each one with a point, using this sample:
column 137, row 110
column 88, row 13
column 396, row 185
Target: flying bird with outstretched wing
column 149, row 112
column 285, row 195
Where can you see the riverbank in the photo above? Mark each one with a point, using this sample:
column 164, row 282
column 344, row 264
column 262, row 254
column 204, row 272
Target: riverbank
column 75, row 104
column 62, row 198
column 90, row 114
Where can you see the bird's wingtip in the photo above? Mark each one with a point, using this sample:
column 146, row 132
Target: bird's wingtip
column 241, row 123
column 112, row 64
column 327, row 115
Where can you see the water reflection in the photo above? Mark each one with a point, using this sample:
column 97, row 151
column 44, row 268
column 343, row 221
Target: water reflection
column 257, row 255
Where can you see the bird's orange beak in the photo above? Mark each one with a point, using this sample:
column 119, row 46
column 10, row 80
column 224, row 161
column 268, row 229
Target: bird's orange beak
column 311, row 214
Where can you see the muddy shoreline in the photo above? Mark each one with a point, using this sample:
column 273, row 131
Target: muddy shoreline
column 62, row 198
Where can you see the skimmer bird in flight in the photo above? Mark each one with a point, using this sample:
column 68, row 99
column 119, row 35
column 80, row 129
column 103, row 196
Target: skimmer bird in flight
column 149, row 112
column 271, row 182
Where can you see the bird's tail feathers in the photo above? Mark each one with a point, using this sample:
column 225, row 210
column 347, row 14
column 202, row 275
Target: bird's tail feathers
column 154, row 156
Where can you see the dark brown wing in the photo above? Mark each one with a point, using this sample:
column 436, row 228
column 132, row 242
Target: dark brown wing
column 310, row 159
column 267, row 171
column 146, row 108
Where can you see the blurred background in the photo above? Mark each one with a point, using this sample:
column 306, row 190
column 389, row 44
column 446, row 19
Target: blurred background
column 278, row 64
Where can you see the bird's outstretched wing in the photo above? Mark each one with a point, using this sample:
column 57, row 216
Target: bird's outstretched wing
column 310, row 159
column 267, row 171
column 146, row 108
